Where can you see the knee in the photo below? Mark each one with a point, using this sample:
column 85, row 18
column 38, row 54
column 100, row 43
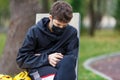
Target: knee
column 68, row 61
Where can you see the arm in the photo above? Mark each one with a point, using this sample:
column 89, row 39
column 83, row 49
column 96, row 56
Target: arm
column 26, row 57
column 54, row 58
column 71, row 49
column 73, row 45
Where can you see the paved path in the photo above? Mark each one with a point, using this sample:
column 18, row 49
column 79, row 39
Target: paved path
column 108, row 65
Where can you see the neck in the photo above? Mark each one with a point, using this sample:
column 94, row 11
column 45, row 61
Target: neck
column 50, row 26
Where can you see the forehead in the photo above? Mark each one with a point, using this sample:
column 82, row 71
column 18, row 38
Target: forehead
column 58, row 22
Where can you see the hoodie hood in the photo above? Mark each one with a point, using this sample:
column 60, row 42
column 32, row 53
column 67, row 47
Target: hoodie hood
column 43, row 27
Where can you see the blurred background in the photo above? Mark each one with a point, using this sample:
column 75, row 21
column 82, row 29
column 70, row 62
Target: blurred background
column 99, row 29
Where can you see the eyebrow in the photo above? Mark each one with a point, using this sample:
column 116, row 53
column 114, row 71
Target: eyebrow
column 60, row 24
column 57, row 23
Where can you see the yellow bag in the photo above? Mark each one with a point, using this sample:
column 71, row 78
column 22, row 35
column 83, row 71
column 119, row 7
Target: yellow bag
column 22, row 76
column 5, row 77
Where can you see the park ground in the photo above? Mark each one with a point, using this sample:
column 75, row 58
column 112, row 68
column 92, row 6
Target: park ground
column 104, row 42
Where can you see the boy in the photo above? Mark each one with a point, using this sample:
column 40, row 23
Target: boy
column 50, row 47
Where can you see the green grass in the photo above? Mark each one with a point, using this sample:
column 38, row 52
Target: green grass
column 2, row 42
column 105, row 42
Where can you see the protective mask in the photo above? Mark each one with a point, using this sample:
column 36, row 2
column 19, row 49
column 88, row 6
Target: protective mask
column 57, row 30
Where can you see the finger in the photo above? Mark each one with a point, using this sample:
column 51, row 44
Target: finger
column 60, row 54
column 53, row 63
column 56, row 60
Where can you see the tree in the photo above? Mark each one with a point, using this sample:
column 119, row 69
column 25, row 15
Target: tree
column 45, row 7
column 22, row 17
column 54, row 0
column 78, row 6
column 117, row 15
column 95, row 13
column 92, row 18
column 4, row 11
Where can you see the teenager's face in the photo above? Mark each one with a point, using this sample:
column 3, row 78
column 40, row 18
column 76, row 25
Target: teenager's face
column 56, row 26
column 57, row 23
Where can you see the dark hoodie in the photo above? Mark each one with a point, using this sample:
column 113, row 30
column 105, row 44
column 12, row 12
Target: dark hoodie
column 39, row 42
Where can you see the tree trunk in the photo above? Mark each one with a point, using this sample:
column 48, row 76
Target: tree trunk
column 98, row 14
column 45, row 6
column 92, row 18
column 23, row 14
column 95, row 15
column 54, row 0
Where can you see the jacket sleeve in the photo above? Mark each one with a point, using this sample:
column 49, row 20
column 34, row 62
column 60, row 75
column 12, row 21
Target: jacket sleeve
column 26, row 57
column 73, row 45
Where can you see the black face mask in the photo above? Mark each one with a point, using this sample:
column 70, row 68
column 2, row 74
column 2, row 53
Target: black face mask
column 57, row 30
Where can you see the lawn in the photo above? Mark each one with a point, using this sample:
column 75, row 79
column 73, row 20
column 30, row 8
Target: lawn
column 105, row 42
column 2, row 42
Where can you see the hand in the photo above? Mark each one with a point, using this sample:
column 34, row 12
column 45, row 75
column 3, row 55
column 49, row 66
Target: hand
column 54, row 58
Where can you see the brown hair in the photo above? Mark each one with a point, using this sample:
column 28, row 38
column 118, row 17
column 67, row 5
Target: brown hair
column 62, row 11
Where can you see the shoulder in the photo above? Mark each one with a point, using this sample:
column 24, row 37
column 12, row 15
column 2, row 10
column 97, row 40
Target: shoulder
column 32, row 31
column 32, row 28
column 72, row 29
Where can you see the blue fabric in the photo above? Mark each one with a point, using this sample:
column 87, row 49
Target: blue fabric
column 39, row 40
column 66, row 69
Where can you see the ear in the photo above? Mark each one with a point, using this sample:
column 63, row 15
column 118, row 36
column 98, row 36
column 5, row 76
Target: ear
column 50, row 17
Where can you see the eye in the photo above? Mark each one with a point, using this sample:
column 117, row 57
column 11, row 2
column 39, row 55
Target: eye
column 57, row 24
